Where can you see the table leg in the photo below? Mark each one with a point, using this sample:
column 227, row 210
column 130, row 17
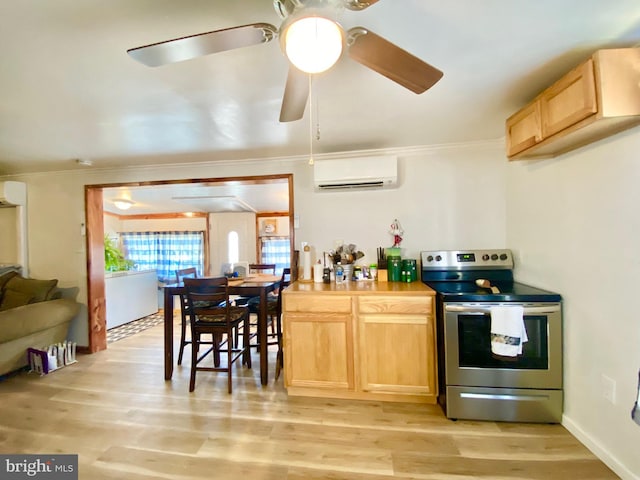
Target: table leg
column 168, row 334
column 262, row 338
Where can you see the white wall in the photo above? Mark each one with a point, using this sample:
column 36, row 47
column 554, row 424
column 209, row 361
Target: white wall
column 221, row 224
column 574, row 225
column 8, row 235
column 448, row 198
column 112, row 224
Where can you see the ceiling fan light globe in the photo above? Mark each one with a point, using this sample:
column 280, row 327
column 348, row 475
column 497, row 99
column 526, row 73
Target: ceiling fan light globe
column 123, row 203
column 313, row 44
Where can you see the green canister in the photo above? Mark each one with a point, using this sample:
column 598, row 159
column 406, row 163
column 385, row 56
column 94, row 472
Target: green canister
column 394, row 266
column 409, row 272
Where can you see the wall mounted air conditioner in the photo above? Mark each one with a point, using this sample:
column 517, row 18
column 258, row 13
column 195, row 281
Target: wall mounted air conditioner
column 355, row 173
column 13, row 194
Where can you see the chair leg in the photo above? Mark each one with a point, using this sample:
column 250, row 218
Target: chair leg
column 246, row 342
column 183, row 334
column 280, row 354
column 217, row 340
column 194, row 359
column 229, row 357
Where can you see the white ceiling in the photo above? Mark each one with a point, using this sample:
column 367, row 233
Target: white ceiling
column 70, row 91
column 200, row 197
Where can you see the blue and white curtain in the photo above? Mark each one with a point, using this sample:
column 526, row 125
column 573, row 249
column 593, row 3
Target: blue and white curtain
column 276, row 250
column 165, row 252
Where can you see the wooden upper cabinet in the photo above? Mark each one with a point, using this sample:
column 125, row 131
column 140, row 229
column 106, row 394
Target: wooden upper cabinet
column 569, row 100
column 523, row 129
column 598, row 98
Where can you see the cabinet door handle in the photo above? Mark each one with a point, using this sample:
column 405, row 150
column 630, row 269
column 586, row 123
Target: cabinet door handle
column 555, row 308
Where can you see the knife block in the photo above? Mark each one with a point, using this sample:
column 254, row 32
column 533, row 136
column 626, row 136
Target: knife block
column 382, row 276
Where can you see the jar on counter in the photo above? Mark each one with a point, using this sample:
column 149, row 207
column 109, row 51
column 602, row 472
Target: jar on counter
column 394, row 266
column 339, row 271
column 357, row 272
column 326, row 275
column 409, row 270
column 373, row 271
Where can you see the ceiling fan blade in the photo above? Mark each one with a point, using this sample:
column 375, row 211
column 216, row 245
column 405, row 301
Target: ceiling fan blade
column 359, row 4
column 296, row 93
column 186, row 48
column 387, row 59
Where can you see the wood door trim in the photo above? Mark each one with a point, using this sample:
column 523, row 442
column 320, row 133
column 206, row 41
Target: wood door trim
column 96, row 301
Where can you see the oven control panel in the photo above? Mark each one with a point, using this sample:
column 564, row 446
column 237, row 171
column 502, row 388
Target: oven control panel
column 467, row 259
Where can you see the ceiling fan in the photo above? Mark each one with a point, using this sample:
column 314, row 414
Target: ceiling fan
column 362, row 45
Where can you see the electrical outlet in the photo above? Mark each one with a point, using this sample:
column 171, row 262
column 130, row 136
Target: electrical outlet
column 608, row 388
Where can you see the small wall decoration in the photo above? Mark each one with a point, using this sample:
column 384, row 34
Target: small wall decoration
column 270, row 226
column 397, row 232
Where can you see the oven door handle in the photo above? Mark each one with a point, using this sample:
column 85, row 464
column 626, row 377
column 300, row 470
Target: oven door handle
column 487, row 310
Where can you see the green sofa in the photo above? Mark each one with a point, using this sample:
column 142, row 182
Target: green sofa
column 33, row 313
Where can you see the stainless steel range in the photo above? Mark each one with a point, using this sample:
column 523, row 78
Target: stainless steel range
column 474, row 288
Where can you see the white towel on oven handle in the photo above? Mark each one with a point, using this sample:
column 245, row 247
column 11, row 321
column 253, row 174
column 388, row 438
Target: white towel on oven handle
column 508, row 332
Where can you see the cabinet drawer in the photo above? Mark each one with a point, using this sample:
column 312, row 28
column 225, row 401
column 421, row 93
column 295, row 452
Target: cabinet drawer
column 316, row 303
column 394, row 304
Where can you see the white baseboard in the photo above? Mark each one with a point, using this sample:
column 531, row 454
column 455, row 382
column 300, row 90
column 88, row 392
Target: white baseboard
column 598, row 450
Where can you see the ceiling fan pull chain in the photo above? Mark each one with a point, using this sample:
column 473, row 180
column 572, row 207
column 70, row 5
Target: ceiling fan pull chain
column 310, row 119
column 317, row 119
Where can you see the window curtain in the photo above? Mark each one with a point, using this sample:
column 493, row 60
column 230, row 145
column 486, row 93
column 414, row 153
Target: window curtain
column 165, row 252
column 275, row 250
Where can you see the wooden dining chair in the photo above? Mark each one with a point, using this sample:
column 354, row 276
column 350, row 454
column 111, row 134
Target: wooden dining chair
column 254, row 302
column 211, row 312
column 276, row 315
column 180, row 276
column 262, row 268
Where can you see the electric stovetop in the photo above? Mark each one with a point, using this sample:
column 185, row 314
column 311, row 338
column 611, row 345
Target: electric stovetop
column 509, row 292
column 453, row 275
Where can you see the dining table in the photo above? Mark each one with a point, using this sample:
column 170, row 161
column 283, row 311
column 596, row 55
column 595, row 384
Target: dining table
column 250, row 286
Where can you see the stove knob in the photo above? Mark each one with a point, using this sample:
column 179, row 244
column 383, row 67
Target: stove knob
column 430, row 258
column 485, row 257
column 503, row 256
column 494, row 256
column 438, row 258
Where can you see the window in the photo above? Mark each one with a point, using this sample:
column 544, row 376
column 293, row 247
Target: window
column 165, row 252
column 275, row 250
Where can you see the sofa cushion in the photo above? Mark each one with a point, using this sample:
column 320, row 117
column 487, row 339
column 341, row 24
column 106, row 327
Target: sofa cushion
column 13, row 299
column 5, row 278
column 37, row 290
column 29, row 319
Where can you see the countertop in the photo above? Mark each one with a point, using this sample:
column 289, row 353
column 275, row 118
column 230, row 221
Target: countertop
column 127, row 273
column 362, row 287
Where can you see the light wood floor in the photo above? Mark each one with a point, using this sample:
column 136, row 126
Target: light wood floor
column 116, row 411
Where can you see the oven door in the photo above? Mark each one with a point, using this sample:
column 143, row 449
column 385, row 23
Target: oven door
column 470, row 362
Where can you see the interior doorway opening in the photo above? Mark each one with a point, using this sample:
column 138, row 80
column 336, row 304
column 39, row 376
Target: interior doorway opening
column 95, row 205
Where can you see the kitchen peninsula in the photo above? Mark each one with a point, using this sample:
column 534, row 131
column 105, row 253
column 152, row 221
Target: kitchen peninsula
column 361, row 340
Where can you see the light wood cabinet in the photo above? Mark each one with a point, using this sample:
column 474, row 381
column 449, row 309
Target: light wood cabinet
column 360, row 340
column 524, row 129
column 322, row 354
column 596, row 99
column 396, row 343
